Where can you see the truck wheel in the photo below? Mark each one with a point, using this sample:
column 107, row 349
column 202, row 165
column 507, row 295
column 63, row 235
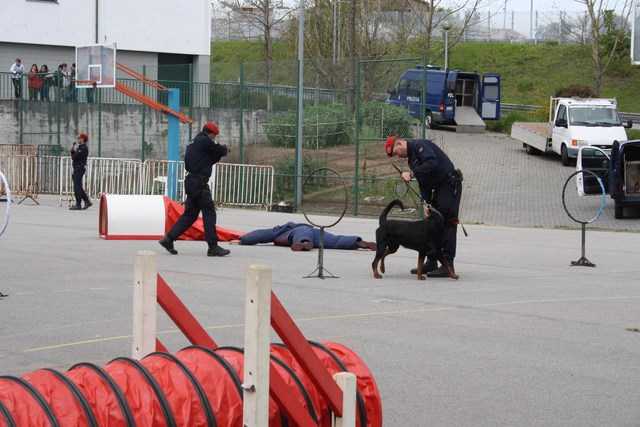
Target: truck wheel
column 618, row 211
column 532, row 151
column 564, row 155
column 428, row 120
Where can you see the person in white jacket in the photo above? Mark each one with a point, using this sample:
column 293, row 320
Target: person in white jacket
column 17, row 70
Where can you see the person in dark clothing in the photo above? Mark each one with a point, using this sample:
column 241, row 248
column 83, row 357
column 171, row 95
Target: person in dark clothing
column 440, row 185
column 79, row 154
column 302, row 237
column 200, row 156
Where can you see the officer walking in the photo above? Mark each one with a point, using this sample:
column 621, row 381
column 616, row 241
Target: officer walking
column 200, row 156
column 440, row 185
column 79, row 154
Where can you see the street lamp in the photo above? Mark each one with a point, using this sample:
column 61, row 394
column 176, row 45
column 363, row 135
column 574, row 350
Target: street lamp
column 446, row 26
column 336, row 29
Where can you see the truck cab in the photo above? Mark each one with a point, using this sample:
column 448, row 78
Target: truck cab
column 619, row 170
column 446, row 92
column 584, row 122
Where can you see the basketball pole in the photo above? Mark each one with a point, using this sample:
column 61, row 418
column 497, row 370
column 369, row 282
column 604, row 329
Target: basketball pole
column 173, row 141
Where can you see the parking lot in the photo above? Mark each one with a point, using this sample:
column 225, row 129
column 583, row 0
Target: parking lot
column 522, row 338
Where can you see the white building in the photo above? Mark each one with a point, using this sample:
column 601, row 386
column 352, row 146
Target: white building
column 148, row 33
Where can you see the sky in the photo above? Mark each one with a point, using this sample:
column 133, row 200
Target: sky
column 546, row 5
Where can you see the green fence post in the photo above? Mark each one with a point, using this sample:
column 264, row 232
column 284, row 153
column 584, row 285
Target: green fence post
column 144, row 114
column 99, row 97
column 193, row 93
column 20, row 125
column 242, row 95
column 423, row 96
column 357, row 139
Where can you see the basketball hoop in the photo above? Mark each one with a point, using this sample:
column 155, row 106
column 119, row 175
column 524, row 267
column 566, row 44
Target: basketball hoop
column 87, row 82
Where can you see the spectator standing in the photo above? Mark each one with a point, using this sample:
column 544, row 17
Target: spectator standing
column 57, row 82
column 35, row 83
column 91, row 94
column 47, row 82
column 73, row 95
column 17, row 70
column 66, row 82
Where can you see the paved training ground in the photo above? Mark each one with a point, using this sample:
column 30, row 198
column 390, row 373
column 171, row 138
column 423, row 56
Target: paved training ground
column 521, row 339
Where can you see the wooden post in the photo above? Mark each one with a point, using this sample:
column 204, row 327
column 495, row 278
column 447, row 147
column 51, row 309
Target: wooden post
column 145, row 272
column 257, row 328
column 347, row 382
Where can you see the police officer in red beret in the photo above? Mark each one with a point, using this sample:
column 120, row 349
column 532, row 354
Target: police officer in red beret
column 79, row 153
column 440, row 185
column 200, row 156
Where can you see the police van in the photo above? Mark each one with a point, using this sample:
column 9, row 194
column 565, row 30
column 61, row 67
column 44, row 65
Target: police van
column 453, row 97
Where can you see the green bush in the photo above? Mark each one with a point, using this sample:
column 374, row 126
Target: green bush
column 504, row 124
column 285, row 173
column 322, row 126
column 581, row 91
column 385, row 118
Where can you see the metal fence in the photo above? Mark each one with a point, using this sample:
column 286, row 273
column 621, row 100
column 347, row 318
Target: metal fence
column 31, row 174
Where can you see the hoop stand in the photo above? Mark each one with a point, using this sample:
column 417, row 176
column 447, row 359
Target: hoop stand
column 320, row 269
column 583, row 261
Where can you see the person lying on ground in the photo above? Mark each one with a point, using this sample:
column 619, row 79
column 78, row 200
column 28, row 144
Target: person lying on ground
column 302, row 237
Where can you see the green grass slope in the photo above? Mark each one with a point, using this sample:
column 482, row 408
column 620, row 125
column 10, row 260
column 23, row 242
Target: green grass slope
column 530, row 74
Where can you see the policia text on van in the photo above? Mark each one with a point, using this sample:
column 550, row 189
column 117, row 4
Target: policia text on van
column 453, row 97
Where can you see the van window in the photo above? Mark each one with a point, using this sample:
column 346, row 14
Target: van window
column 491, row 92
column 411, row 87
column 594, row 116
column 562, row 113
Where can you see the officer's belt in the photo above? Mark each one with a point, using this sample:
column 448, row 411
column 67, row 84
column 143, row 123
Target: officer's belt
column 199, row 176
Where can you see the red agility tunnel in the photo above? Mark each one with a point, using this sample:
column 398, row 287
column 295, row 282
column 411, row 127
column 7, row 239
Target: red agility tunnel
column 197, row 386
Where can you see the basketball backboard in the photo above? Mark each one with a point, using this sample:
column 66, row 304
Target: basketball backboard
column 96, row 64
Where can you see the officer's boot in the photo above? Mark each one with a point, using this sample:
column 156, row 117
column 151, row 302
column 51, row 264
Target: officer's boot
column 217, row 251
column 167, row 243
column 442, row 271
column 76, row 207
column 428, row 266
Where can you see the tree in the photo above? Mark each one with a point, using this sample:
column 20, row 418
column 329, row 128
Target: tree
column 260, row 14
column 606, row 36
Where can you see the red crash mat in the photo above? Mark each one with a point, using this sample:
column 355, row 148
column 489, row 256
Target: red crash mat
column 174, row 210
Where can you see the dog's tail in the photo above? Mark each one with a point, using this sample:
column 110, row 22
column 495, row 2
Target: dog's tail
column 385, row 212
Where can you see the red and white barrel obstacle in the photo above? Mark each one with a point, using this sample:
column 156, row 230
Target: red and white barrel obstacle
column 297, row 383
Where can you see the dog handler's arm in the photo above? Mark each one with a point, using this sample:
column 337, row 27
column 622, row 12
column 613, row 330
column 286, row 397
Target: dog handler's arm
column 406, row 176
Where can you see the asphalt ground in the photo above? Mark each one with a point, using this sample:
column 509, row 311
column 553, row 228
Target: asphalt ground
column 522, row 338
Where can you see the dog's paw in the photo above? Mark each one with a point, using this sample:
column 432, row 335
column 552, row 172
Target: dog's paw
column 421, row 277
column 455, row 277
column 377, row 276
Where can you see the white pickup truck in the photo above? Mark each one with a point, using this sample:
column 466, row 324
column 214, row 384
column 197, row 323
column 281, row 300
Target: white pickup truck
column 573, row 123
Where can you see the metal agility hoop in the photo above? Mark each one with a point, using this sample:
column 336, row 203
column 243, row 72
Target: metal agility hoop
column 7, row 191
column 602, row 205
column 583, row 261
column 320, row 269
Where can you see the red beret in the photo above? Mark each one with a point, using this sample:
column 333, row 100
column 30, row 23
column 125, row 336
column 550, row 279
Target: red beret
column 84, row 136
column 388, row 147
column 212, row 127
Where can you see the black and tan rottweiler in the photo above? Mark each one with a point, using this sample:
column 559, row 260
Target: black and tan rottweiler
column 424, row 236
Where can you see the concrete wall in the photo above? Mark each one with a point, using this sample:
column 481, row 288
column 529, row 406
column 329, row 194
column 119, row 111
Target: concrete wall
column 168, row 26
column 116, row 130
column 48, row 31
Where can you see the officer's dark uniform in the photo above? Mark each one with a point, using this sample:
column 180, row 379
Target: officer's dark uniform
column 79, row 154
column 200, row 156
column 440, row 185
